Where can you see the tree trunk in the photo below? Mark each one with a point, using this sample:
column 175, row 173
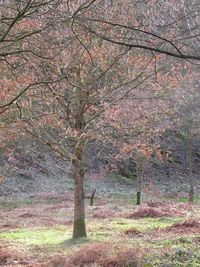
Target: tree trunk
column 92, row 197
column 138, row 198
column 191, row 184
column 79, row 228
column 165, row 159
column 139, row 182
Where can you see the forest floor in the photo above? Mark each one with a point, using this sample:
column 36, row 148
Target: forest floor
column 36, row 232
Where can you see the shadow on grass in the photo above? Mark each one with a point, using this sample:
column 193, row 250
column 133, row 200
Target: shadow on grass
column 73, row 242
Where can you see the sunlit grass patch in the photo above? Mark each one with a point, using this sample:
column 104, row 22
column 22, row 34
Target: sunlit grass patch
column 145, row 224
column 115, row 229
column 42, row 236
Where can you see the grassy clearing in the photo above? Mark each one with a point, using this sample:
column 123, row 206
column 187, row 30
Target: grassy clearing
column 107, row 226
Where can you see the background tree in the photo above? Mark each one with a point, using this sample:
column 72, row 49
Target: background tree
column 187, row 123
column 135, row 127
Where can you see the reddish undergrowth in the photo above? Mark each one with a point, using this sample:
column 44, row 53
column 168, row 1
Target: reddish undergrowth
column 10, row 256
column 161, row 209
column 8, row 226
column 41, row 213
column 103, row 214
column 186, row 228
column 190, row 226
column 133, row 232
column 146, row 212
column 102, row 255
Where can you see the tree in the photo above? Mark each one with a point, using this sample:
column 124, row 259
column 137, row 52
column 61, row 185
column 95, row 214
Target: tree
column 64, row 115
column 100, row 61
column 135, row 126
column 187, row 123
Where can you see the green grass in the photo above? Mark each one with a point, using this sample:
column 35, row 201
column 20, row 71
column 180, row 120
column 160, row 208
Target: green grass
column 97, row 231
column 114, row 229
column 26, row 202
column 39, row 237
column 185, row 199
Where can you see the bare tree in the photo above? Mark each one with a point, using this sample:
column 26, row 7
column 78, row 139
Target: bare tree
column 99, row 43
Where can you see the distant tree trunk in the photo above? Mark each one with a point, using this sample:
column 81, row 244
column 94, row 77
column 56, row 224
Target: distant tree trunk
column 79, row 228
column 92, row 197
column 139, row 182
column 165, row 160
column 138, row 198
column 190, row 173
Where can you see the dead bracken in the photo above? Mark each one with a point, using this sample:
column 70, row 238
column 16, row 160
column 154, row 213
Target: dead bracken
column 160, row 209
column 190, row 226
column 146, row 212
column 133, row 232
column 102, row 255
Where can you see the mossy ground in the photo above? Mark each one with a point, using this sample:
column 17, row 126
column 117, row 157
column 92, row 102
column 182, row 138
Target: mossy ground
column 45, row 227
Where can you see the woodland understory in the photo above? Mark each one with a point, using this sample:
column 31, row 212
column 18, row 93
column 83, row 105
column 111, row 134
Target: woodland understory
column 36, row 231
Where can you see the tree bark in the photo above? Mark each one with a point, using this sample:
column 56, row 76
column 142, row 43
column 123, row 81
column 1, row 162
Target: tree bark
column 79, row 228
column 139, row 182
column 92, row 197
column 138, row 198
column 190, row 175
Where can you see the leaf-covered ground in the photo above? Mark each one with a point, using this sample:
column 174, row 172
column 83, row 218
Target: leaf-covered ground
column 36, row 232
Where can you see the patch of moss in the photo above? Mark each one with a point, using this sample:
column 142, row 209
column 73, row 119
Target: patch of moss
column 79, row 228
